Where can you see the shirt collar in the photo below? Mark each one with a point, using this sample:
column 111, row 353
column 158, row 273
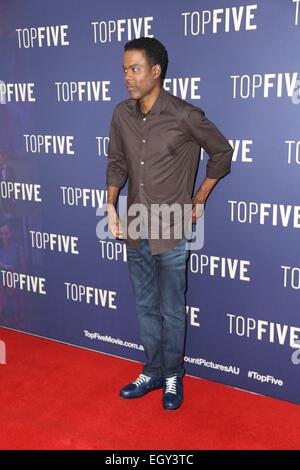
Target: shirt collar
column 158, row 106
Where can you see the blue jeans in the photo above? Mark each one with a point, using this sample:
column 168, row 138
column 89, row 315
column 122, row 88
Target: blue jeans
column 159, row 283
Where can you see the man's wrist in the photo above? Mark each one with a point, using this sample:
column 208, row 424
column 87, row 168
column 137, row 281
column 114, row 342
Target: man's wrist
column 200, row 198
column 111, row 207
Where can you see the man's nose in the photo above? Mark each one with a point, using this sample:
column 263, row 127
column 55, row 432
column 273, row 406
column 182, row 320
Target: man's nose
column 128, row 77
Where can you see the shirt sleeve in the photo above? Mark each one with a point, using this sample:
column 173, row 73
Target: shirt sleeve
column 116, row 174
column 203, row 132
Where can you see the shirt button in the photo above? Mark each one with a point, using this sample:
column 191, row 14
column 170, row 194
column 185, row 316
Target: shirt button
column 144, row 119
column 142, row 163
column 141, row 184
column 144, row 141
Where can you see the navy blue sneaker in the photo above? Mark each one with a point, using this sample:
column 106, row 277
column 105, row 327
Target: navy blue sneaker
column 173, row 393
column 142, row 385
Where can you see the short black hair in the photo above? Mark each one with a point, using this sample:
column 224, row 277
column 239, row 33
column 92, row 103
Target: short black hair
column 155, row 51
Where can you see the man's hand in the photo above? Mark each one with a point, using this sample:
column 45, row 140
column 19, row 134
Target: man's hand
column 201, row 196
column 114, row 224
column 198, row 208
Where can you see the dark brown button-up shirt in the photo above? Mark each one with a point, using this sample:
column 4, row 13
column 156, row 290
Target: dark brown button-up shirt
column 159, row 154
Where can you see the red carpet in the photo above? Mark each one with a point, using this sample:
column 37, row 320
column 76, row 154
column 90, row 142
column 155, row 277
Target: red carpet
column 55, row 396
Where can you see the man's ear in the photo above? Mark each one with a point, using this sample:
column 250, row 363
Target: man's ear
column 157, row 71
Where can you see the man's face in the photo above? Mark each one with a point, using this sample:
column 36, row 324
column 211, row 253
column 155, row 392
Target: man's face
column 139, row 75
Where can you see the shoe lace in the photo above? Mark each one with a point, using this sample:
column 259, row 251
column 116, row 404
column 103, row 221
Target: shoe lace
column 171, row 384
column 142, row 378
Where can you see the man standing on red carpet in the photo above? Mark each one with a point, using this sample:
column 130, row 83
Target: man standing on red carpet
column 155, row 140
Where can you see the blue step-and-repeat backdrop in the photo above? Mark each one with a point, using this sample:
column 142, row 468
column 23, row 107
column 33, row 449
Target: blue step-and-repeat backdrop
column 60, row 79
